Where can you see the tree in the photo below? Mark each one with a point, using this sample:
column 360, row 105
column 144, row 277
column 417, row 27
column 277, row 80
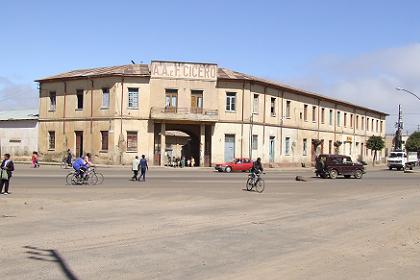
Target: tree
column 413, row 142
column 375, row 143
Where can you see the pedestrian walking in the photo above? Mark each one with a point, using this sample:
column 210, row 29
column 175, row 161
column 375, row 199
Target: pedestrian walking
column 143, row 168
column 35, row 162
column 7, row 167
column 135, row 168
column 192, row 162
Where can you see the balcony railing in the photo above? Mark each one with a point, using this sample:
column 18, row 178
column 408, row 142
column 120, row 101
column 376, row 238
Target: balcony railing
column 177, row 113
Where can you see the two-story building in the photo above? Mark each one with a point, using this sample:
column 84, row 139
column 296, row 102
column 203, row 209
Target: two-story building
column 118, row 112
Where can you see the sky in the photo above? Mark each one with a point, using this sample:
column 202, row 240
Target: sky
column 358, row 51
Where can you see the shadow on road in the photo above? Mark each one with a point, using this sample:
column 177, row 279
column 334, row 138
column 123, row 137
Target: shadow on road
column 50, row 255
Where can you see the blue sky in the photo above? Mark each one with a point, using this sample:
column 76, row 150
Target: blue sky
column 298, row 42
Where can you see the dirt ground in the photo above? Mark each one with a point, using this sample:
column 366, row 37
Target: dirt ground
column 199, row 224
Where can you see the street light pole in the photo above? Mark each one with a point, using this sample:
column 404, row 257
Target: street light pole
column 407, row 91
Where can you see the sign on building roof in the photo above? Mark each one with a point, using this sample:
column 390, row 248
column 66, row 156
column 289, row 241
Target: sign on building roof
column 183, row 70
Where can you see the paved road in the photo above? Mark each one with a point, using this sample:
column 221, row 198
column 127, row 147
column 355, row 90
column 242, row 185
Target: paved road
column 198, row 224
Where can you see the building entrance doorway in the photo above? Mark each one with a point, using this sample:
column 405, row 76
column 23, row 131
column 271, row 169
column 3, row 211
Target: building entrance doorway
column 79, row 143
column 182, row 141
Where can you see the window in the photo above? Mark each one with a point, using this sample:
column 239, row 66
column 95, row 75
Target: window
column 330, row 146
column 287, row 146
column 53, row 100
column 338, row 118
column 273, row 107
column 367, row 124
column 231, row 101
column 331, row 118
column 377, row 125
column 351, row 120
column 323, row 115
column 51, row 140
column 105, row 98
column 131, row 141
column 345, row 119
column 254, row 142
column 314, row 113
column 357, row 122
column 133, row 98
column 363, row 123
column 171, row 100
column 79, row 94
column 255, row 105
column 197, row 101
column 288, row 109
column 382, row 126
column 371, row 126
column 305, row 147
column 305, row 112
column 104, row 140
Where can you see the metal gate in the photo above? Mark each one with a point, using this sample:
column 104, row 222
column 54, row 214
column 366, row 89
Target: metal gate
column 229, row 147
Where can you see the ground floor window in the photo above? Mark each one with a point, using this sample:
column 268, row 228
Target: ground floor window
column 255, row 142
column 104, row 140
column 287, row 146
column 305, row 147
column 131, row 141
column 51, row 140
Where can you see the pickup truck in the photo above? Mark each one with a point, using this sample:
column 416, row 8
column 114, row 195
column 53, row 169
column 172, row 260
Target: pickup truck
column 402, row 160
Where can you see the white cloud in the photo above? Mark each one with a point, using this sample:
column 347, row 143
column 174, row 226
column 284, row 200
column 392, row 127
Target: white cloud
column 15, row 96
column 370, row 80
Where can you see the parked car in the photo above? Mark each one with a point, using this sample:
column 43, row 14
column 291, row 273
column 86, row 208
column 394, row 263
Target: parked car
column 331, row 166
column 239, row 164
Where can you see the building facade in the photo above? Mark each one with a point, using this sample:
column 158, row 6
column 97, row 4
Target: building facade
column 19, row 133
column 118, row 112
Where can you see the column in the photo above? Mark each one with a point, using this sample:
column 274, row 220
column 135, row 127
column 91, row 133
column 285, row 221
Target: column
column 202, row 143
column 162, row 144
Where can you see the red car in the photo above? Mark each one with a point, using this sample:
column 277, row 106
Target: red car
column 239, row 164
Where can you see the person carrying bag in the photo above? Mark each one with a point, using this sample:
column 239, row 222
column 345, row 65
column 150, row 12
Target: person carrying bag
column 7, row 167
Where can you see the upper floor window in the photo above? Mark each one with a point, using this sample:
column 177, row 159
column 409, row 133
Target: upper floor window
column 377, row 125
column 105, row 98
column 338, row 118
column 363, row 123
column 371, row 127
column 345, row 119
column 314, row 113
column 382, row 126
column 53, row 100
column 133, row 98
column 254, row 142
column 357, row 122
column 288, row 108
column 273, row 106
column 331, row 118
column 367, row 124
column 351, row 120
column 79, row 94
column 255, row 104
column 305, row 112
column 323, row 115
column 230, row 101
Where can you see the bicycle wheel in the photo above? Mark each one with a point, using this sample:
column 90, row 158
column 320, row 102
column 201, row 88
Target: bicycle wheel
column 68, row 178
column 75, row 180
column 100, row 178
column 259, row 186
column 92, row 179
column 249, row 185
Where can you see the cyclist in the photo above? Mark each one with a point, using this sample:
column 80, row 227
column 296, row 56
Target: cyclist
column 81, row 165
column 257, row 167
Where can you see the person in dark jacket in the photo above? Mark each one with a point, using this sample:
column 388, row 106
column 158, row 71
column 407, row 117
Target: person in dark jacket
column 257, row 166
column 143, row 167
column 7, row 166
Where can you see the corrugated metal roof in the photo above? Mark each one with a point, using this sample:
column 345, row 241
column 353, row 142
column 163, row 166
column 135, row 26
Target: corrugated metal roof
column 31, row 114
column 142, row 70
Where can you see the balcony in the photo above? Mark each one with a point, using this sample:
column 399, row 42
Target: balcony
column 186, row 114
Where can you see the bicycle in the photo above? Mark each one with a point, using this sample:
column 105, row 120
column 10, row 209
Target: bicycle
column 90, row 177
column 255, row 181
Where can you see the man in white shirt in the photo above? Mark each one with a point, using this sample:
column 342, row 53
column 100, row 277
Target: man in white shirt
column 135, row 168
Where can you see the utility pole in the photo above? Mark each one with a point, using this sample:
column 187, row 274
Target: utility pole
column 398, row 134
column 418, row 128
